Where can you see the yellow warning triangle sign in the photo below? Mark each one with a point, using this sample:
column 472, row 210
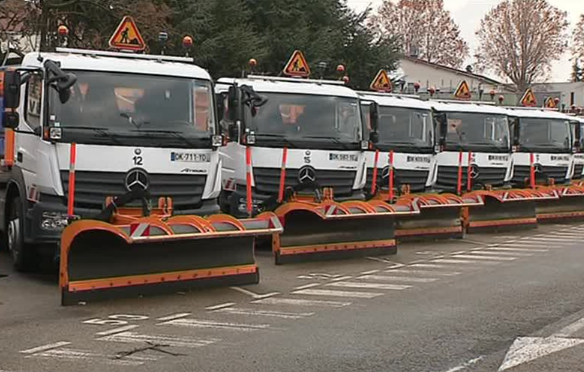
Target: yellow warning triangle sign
column 550, row 103
column 297, row 66
column 528, row 99
column 463, row 91
column 381, row 83
column 127, row 36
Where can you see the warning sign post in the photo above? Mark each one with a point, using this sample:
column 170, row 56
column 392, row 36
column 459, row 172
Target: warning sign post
column 382, row 82
column 528, row 99
column 127, row 36
column 463, row 91
column 297, row 66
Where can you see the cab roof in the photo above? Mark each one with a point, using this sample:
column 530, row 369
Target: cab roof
column 392, row 100
column 523, row 112
column 478, row 108
column 118, row 62
column 293, row 87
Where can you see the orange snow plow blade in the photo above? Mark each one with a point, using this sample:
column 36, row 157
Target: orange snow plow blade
column 331, row 230
column 568, row 205
column 135, row 256
column 506, row 210
column 440, row 216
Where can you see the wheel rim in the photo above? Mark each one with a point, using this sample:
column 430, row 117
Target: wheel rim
column 13, row 235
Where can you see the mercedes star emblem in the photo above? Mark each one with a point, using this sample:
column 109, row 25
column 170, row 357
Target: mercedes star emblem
column 306, row 174
column 474, row 171
column 137, row 179
column 385, row 172
column 538, row 168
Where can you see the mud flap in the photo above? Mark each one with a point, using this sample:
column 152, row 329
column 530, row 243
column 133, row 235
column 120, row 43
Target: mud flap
column 104, row 261
column 336, row 231
column 569, row 207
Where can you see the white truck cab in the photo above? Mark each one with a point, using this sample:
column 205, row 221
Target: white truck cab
column 545, row 137
column 405, row 126
column 318, row 125
column 473, row 135
column 137, row 121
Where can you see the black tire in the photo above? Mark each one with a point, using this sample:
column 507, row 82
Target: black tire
column 23, row 255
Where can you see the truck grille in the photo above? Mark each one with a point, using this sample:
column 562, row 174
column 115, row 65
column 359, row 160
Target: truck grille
column 267, row 180
column 92, row 188
column 578, row 168
column 522, row 173
column 416, row 179
column 448, row 177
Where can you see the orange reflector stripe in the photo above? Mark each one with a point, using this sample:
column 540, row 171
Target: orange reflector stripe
column 128, row 281
column 427, row 231
column 518, row 221
column 560, row 215
column 337, row 247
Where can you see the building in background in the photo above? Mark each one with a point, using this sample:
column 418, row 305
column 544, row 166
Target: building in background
column 569, row 94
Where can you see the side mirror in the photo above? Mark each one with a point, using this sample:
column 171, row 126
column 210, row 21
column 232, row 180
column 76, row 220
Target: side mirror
column 233, row 103
column 374, row 137
column 374, row 113
column 514, row 129
column 10, row 83
column 233, row 132
column 441, row 122
column 220, row 98
column 10, row 119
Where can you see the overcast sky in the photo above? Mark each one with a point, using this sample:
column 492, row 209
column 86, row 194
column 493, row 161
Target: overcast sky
column 468, row 14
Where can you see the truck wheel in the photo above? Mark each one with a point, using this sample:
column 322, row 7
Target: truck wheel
column 23, row 255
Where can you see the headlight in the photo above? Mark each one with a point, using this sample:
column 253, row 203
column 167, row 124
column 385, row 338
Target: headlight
column 55, row 221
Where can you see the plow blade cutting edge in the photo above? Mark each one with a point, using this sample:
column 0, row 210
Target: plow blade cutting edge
column 153, row 255
column 569, row 205
column 440, row 217
column 336, row 230
column 506, row 210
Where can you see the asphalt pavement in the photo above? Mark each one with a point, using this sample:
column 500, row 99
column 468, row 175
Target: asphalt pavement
column 499, row 302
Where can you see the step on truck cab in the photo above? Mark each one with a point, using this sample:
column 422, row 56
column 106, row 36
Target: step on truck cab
column 90, row 132
column 297, row 148
column 476, row 159
column 544, row 159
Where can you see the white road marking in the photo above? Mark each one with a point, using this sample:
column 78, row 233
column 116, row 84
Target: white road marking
column 464, row 262
column 473, row 256
column 254, row 295
column 341, row 278
column 385, row 260
column 73, row 354
column 552, row 239
column 196, row 323
column 312, row 285
column 175, row 316
column 395, row 287
column 116, row 330
column 172, row 341
column 45, row 347
column 568, row 234
column 325, row 292
column 512, row 249
column 268, row 313
column 571, row 329
column 370, row 272
column 431, row 266
column 465, row 365
column 502, row 253
column 397, row 278
column 422, row 272
column 220, row 306
column 527, row 349
column 299, row 302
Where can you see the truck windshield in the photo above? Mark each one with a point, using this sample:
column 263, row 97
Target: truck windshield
column 477, row 132
column 322, row 121
column 135, row 110
column 544, row 134
column 404, row 127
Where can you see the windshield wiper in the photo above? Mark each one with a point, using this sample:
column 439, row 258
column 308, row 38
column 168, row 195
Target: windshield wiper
column 279, row 137
column 487, row 145
column 332, row 139
column 103, row 131
column 170, row 132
